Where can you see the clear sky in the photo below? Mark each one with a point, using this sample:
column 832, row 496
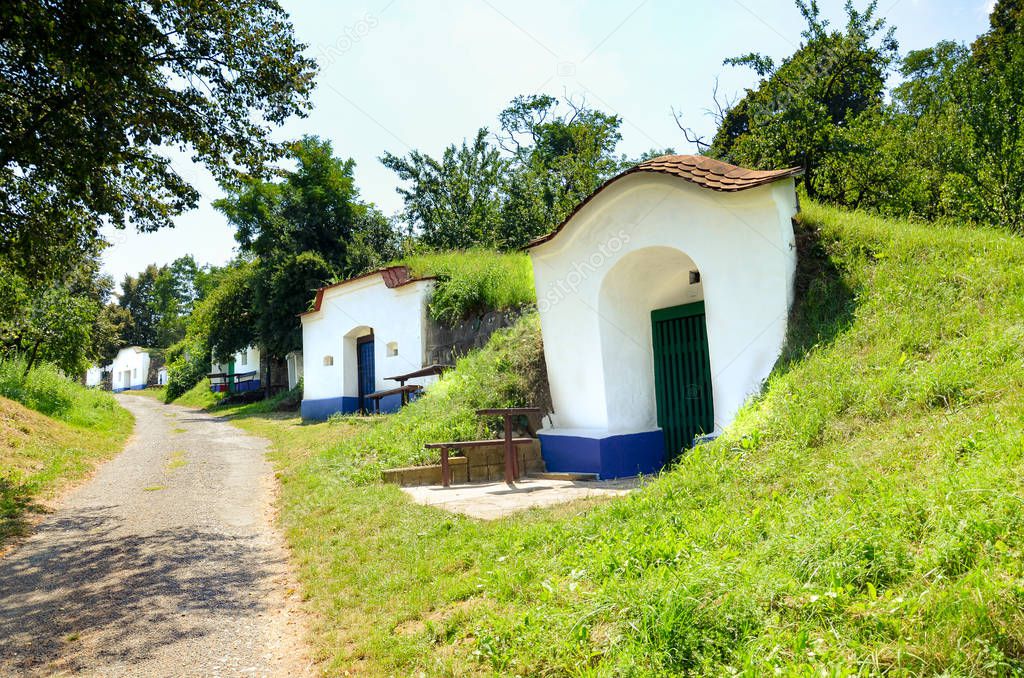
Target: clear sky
column 403, row 74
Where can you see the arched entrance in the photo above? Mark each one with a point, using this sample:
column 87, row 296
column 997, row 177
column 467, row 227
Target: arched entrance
column 654, row 346
column 359, row 370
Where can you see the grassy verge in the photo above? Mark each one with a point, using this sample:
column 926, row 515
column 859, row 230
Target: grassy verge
column 53, row 432
column 863, row 515
column 473, row 280
column 154, row 392
column 200, row 396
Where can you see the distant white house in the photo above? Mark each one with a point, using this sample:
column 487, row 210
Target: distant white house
column 294, row 362
column 130, row 369
column 663, row 301
column 94, row 376
column 161, row 376
column 359, row 332
column 240, row 373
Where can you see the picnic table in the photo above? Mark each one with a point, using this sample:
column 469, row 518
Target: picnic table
column 508, row 442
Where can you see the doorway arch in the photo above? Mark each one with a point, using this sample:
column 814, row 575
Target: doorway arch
column 641, row 282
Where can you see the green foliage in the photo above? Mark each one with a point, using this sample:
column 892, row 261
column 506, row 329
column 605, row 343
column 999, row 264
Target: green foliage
column 300, row 232
column 949, row 144
column 221, row 324
column 474, row 196
column 61, row 323
column 474, row 281
column 799, row 113
column 94, row 90
column 455, row 201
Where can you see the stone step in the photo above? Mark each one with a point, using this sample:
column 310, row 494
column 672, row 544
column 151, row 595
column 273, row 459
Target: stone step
column 565, row 476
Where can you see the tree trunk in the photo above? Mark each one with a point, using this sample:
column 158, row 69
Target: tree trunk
column 32, row 357
column 266, row 386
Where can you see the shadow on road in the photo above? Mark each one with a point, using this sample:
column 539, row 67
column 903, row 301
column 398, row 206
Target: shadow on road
column 84, row 581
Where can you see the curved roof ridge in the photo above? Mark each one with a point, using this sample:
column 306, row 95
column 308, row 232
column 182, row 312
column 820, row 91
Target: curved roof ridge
column 393, row 276
column 701, row 170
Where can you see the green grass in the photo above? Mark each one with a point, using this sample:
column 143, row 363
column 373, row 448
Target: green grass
column 154, row 392
column 864, row 515
column 200, row 396
column 474, row 281
column 53, row 432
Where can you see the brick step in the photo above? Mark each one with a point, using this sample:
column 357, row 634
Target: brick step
column 565, row 476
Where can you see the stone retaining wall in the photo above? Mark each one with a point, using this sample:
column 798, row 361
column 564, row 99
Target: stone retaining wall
column 479, row 465
column 445, row 344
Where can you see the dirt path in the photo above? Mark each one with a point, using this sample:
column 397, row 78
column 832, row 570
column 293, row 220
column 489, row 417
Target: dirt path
column 166, row 563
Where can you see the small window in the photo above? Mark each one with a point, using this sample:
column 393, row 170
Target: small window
column 392, row 349
column 245, row 357
column 135, row 373
column 328, row 360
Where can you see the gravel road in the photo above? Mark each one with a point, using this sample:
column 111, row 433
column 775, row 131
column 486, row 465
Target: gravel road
column 166, row 563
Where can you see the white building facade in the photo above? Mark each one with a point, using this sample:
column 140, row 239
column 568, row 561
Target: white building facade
column 663, row 301
column 360, row 332
column 239, row 374
column 94, row 376
column 130, row 370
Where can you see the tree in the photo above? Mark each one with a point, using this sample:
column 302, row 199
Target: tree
column 299, row 232
column 555, row 155
column 59, row 323
column 798, row 113
column 91, row 91
column 453, row 201
column 222, row 323
column 561, row 154
column 137, row 298
column 990, row 105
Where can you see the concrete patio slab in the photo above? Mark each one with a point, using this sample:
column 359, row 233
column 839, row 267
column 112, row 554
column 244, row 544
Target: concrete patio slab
column 489, row 501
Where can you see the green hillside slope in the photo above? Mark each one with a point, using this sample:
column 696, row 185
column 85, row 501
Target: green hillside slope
column 53, row 431
column 864, row 515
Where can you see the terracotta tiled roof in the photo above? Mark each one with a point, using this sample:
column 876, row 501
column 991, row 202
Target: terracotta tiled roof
column 711, row 173
column 697, row 169
column 393, row 276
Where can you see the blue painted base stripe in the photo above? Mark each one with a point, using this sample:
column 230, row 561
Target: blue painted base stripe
column 322, row 408
column 620, row 456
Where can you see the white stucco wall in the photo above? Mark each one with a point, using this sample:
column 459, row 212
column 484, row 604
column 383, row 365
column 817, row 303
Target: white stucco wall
column 396, row 315
column 294, row 362
column 247, row 360
column 130, row 369
column 629, row 251
column 94, row 376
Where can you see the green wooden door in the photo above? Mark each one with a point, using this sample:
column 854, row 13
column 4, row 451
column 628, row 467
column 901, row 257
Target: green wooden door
column 682, row 375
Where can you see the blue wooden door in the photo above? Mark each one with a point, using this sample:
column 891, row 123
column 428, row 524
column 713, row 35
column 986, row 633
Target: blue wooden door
column 367, row 378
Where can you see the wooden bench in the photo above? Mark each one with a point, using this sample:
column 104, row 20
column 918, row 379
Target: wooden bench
column 508, row 442
column 405, row 391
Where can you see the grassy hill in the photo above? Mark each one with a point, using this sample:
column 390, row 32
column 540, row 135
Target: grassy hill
column 53, row 432
column 864, row 514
